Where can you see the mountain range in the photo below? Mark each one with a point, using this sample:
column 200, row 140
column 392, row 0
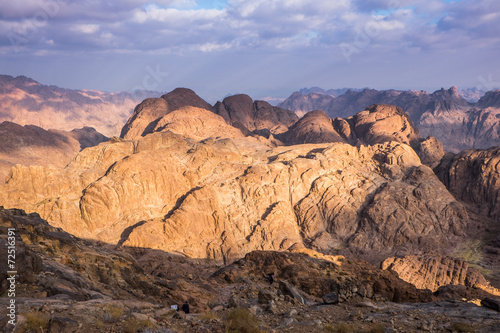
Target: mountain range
column 27, row 102
column 204, row 202
column 444, row 114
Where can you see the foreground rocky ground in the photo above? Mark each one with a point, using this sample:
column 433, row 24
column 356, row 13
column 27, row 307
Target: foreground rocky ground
column 66, row 284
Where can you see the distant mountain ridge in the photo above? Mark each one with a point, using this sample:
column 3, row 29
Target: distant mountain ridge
column 27, row 102
column 444, row 114
column 471, row 95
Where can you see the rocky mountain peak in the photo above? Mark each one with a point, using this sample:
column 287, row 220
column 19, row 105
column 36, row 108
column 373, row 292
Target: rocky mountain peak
column 450, row 94
column 241, row 111
column 181, row 97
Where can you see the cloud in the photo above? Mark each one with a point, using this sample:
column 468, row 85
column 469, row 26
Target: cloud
column 308, row 31
column 85, row 28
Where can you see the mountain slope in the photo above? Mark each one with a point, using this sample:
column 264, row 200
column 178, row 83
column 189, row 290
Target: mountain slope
column 32, row 145
column 27, row 102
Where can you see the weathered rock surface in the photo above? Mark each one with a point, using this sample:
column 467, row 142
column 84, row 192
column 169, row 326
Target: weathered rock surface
column 32, row 145
column 314, row 127
column 377, row 124
column 241, row 111
column 382, row 123
column 52, row 262
column 27, row 102
column 430, row 151
column 221, row 198
column 432, row 272
column 364, row 291
column 149, row 113
column 443, row 114
column 304, row 278
column 474, row 177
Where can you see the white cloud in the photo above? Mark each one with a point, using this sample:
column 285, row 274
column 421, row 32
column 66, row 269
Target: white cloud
column 85, row 28
column 175, row 16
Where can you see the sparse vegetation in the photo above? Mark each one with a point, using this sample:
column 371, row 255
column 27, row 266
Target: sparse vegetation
column 462, row 328
column 112, row 313
column 241, row 320
column 133, row 325
column 354, row 328
column 209, row 315
column 35, row 321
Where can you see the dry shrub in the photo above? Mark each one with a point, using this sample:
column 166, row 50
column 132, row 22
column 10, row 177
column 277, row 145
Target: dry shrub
column 36, row 320
column 241, row 320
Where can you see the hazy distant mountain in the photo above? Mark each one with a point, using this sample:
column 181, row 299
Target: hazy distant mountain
column 333, row 92
column 472, row 94
column 26, row 102
column 444, row 114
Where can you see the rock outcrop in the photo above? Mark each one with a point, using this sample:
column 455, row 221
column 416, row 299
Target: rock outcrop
column 32, row 145
column 352, row 280
column 431, row 272
column 383, row 123
column 52, row 262
column 430, row 151
column 27, row 102
column 473, row 176
column 376, row 124
column 150, row 112
column 241, row 111
column 314, row 127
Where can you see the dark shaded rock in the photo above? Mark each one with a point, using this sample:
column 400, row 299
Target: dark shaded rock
column 331, row 298
column 62, row 325
column 241, row 111
column 491, row 303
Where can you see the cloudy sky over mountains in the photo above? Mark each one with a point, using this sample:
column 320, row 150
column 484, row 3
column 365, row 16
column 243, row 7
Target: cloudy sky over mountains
column 259, row 47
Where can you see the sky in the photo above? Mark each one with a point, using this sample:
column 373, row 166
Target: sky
column 264, row 48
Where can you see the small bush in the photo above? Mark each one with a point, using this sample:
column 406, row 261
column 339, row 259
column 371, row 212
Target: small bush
column 377, row 328
column 241, row 320
column 132, row 325
column 344, row 328
column 462, row 328
column 36, row 320
column 209, row 315
column 112, row 313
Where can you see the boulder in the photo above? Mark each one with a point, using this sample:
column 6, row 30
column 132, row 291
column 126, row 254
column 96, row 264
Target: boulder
column 286, row 288
column 491, row 303
column 63, row 325
column 331, row 298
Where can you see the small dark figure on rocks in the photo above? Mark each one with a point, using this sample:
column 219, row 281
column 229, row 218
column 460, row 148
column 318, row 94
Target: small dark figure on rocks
column 185, row 307
column 270, row 277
